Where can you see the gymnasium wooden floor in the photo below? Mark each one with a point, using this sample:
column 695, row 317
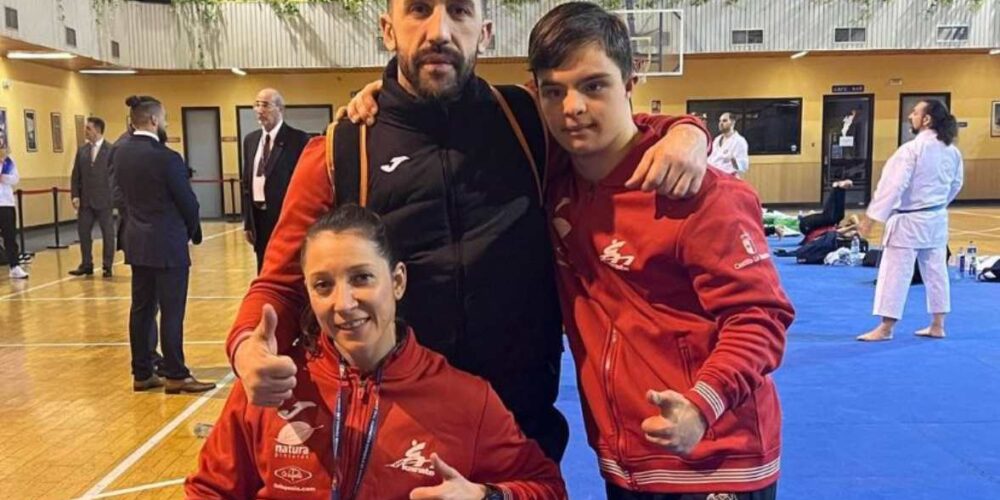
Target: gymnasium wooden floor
column 70, row 425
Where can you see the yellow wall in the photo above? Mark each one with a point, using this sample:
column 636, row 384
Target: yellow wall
column 44, row 90
column 971, row 79
column 225, row 92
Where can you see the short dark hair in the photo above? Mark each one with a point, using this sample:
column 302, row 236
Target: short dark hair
column 345, row 218
column 97, row 123
column 353, row 218
column 143, row 108
column 942, row 121
column 570, row 26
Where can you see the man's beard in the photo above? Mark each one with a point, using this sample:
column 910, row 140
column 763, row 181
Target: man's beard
column 162, row 134
column 410, row 68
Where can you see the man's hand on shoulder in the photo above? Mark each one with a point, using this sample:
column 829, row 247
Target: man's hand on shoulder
column 675, row 166
column 363, row 106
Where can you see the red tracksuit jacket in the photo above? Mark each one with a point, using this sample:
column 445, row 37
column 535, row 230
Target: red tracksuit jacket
column 424, row 406
column 663, row 294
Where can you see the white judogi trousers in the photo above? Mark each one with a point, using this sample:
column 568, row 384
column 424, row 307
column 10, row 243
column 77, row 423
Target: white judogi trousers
column 895, row 273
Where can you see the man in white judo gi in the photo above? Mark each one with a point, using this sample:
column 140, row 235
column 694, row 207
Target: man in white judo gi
column 730, row 151
column 918, row 182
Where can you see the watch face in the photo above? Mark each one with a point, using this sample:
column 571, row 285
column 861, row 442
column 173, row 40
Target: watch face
column 492, row 493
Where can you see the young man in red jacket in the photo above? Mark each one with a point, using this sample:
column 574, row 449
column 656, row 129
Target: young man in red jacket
column 674, row 310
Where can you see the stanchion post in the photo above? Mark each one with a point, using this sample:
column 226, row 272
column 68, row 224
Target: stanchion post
column 20, row 219
column 232, row 196
column 55, row 217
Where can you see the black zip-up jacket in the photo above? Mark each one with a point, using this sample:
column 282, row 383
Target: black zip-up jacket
column 461, row 203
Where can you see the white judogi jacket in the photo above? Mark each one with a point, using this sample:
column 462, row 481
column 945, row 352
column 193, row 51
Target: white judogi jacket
column 921, row 173
column 734, row 147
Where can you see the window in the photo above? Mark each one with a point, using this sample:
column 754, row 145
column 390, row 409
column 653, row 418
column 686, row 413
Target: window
column 115, row 50
column 744, row 37
column 957, row 33
column 10, row 17
column 380, row 43
column 770, row 126
column 71, row 37
column 848, row 35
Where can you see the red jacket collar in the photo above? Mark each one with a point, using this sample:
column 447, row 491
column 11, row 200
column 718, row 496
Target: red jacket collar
column 401, row 363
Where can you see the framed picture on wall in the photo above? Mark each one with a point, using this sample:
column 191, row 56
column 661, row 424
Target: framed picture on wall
column 995, row 119
column 80, row 122
column 31, row 130
column 3, row 128
column 906, row 104
column 57, row 138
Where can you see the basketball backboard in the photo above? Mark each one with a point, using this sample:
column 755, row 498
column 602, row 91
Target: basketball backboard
column 657, row 37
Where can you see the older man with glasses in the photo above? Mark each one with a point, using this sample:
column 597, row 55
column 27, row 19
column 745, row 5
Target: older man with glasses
column 269, row 157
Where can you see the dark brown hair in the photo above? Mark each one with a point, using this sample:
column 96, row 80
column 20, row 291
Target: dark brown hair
column 97, row 123
column 568, row 27
column 942, row 121
column 142, row 109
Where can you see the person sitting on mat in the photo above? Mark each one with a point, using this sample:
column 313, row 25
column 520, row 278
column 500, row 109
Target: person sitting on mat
column 372, row 413
column 815, row 224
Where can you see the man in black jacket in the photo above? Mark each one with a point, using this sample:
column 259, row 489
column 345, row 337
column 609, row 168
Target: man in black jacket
column 90, row 185
column 163, row 217
column 269, row 157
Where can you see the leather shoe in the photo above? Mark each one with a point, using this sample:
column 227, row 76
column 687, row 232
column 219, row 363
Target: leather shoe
column 82, row 271
column 189, row 384
column 150, row 383
column 106, row 273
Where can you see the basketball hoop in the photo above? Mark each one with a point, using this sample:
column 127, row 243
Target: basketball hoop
column 657, row 40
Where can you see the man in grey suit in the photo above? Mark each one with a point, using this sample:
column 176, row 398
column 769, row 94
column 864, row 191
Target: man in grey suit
column 91, row 192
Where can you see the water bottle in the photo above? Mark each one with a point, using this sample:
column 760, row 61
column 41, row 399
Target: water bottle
column 961, row 263
column 855, row 251
column 971, row 259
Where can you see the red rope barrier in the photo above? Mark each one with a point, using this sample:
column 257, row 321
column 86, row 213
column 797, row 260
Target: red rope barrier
column 38, row 191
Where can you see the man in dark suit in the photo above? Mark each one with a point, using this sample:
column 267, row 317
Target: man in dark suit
column 91, row 193
column 162, row 218
column 269, row 157
column 118, row 200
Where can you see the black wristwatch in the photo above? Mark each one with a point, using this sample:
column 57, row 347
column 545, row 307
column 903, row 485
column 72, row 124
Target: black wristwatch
column 493, row 493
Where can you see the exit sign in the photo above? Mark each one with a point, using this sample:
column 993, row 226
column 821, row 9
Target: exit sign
column 848, row 89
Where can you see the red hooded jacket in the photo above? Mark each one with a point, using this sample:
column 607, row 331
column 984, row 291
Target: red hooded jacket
column 665, row 294
column 423, row 406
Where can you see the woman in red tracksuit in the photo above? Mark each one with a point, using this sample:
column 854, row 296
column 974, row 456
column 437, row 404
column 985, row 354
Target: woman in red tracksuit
column 373, row 414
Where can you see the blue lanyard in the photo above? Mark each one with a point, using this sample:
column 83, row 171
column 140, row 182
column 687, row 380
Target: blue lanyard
column 369, row 440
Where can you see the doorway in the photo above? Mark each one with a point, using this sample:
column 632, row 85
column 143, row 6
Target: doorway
column 847, row 144
column 203, row 151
